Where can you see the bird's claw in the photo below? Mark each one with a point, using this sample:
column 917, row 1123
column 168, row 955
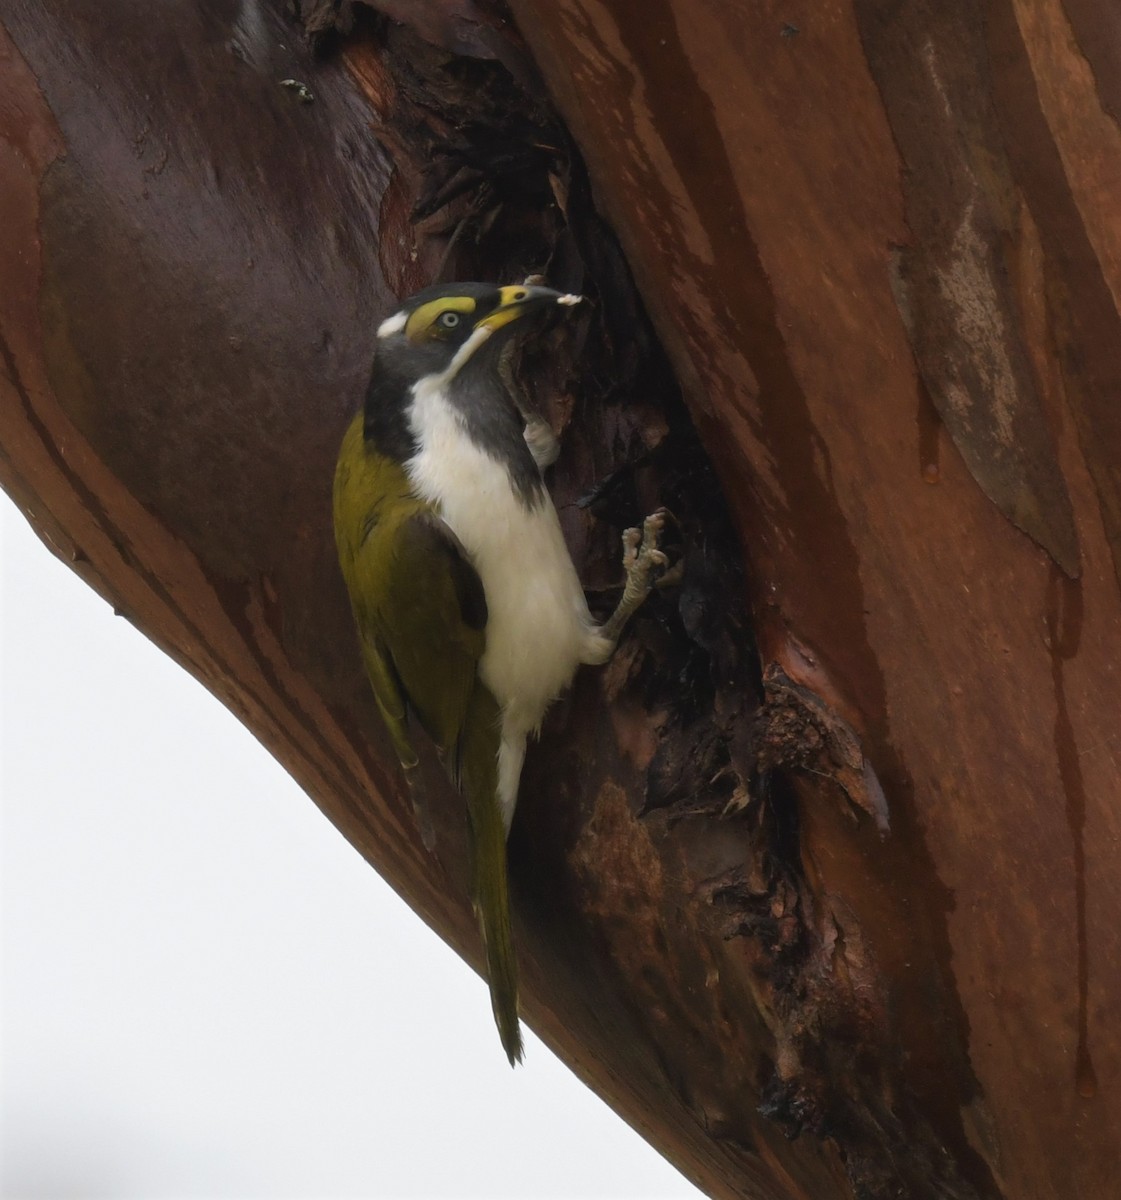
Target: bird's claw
column 543, row 443
column 645, row 564
column 642, row 557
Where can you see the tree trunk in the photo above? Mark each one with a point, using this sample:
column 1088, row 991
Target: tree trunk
column 818, row 882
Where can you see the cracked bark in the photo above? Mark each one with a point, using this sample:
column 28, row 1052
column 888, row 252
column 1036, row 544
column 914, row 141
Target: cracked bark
column 817, row 882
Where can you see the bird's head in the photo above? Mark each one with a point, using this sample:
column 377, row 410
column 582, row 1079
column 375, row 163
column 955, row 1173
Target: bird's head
column 448, row 337
column 441, row 328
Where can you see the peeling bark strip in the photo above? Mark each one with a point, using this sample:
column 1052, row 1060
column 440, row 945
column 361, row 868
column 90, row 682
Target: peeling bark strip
column 788, row 1001
column 1065, row 166
column 801, row 732
column 954, row 279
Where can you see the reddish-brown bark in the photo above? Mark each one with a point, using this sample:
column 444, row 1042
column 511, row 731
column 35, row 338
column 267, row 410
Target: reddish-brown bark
column 827, row 909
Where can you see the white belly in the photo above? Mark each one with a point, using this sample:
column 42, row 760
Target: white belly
column 539, row 629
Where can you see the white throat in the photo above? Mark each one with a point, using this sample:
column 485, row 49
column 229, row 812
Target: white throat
column 539, row 629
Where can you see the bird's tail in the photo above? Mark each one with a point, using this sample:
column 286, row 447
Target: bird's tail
column 489, row 885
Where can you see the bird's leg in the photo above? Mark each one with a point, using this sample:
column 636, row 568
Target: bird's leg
column 643, row 563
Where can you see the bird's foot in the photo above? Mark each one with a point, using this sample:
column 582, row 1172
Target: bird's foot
column 643, row 561
column 645, row 564
column 543, row 443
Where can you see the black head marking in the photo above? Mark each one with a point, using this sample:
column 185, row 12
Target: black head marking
column 422, row 340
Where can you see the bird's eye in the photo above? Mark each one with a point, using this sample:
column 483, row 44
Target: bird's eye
column 449, row 320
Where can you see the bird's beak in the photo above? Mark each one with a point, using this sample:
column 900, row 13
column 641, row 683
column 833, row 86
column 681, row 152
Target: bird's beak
column 519, row 300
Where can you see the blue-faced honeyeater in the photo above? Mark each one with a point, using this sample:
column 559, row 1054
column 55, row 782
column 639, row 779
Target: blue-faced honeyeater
column 469, row 610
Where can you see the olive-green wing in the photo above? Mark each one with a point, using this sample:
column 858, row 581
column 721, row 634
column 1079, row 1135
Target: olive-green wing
column 417, row 600
column 422, row 616
column 433, row 624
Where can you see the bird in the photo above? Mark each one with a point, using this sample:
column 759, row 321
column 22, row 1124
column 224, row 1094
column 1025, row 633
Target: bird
column 470, row 614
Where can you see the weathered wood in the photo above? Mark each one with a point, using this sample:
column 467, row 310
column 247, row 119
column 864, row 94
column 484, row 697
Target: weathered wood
column 831, row 224
column 827, row 909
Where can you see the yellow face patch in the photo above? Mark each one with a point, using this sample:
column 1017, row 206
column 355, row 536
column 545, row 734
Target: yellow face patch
column 426, row 321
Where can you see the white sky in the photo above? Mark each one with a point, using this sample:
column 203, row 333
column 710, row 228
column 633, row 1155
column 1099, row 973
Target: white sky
column 205, row 991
